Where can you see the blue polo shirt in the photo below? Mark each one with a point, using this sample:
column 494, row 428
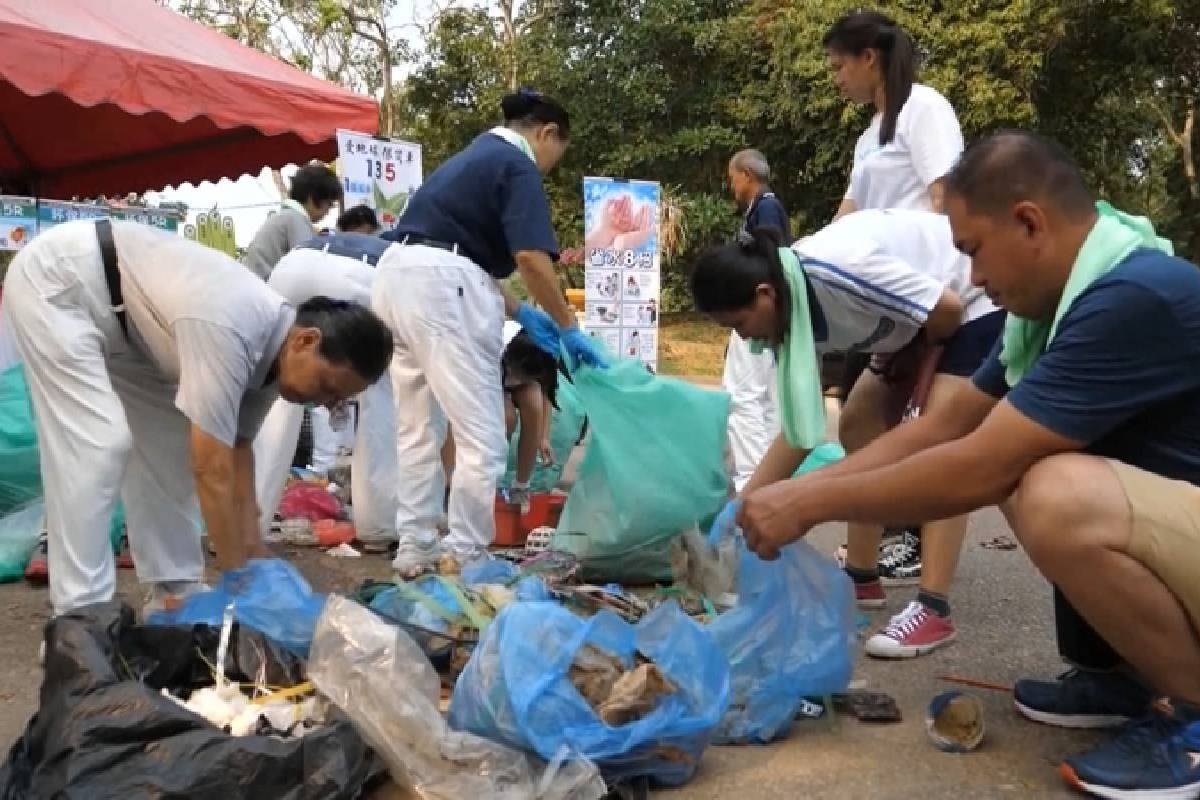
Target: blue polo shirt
column 489, row 200
column 767, row 212
column 360, row 246
column 1122, row 375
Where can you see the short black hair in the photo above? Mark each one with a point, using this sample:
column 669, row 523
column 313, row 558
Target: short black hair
column 315, row 182
column 522, row 354
column 360, row 216
column 350, row 334
column 1000, row 170
column 726, row 277
column 529, row 107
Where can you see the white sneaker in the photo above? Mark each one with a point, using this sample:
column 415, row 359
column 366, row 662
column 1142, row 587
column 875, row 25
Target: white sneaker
column 414, row 557
column 169, row 595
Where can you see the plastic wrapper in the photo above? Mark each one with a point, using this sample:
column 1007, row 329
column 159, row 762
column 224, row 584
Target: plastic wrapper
column 517, row 689
column 791, row 636
column 378, row 676
column 304, row 500
column 653, row 468
column 489, row 570
column 104, row 731
column 269, row 595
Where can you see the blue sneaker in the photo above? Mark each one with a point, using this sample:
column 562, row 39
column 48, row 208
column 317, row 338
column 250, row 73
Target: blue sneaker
column 1081, row 699
column 1154, row 758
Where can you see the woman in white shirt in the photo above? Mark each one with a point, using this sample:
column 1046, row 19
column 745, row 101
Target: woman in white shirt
column 914, row 137
column 913, row 140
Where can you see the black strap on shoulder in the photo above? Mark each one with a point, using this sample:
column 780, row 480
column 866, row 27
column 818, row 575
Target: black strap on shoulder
column 112, row 276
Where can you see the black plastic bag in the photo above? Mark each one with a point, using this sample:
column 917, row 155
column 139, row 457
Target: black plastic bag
column 103, row 729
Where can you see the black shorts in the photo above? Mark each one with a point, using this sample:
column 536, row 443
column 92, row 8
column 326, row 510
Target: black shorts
column 970, row 346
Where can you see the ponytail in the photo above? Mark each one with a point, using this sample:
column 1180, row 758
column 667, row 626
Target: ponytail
column 869, row 30
column 727, row 277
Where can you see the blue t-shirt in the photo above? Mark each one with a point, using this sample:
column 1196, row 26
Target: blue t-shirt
column 767, row 212
column 489, row 200
column 1122, row 375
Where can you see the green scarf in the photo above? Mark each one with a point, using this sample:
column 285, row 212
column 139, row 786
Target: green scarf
column 1114, row 236
column 801, row 403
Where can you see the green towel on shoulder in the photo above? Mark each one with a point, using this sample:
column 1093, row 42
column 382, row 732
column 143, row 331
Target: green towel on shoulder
column 1114, row 236
column 801, row 403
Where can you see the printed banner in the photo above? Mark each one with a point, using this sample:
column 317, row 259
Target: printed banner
column 56, row 212
column 155, row 217
column 622, row 266
column 18, row 221
column 214, row 230
column 380, row 173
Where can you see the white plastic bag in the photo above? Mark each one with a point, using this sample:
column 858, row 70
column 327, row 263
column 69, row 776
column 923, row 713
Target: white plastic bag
column 378, row 676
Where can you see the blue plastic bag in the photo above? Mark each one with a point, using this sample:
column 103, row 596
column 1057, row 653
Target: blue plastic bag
column 516, row 689
column 489, row 569
column 269, row 595
column 654, row 467
column 791, row 636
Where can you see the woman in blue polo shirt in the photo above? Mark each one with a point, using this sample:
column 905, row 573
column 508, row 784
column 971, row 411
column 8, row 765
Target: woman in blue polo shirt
column 480, row 216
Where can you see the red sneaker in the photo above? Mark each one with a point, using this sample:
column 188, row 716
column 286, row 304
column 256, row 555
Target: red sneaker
column 38, row 570
column 913, row 632
column 870, row 595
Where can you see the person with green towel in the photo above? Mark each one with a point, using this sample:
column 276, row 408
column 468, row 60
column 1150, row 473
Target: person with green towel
column 877, row 282
column 1084, row 426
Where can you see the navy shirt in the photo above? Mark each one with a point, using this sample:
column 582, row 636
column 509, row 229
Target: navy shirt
column 359, row 246
column 1122, row 375
column 767, row 212
column 489, row 200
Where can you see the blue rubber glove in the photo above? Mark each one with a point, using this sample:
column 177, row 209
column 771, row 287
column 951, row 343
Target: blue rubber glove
column 724, row 524
column 581, row 349
column 540, row 327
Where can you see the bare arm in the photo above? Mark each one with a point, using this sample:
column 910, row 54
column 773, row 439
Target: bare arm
column 942, row 481
column 528, row 400
column 215, row 467
column 945, row 317
column 848, row 206
column 247, row 499
column 779, row 463
column 537, row 270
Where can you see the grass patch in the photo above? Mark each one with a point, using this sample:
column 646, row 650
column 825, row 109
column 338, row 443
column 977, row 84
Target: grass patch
column 691, row 345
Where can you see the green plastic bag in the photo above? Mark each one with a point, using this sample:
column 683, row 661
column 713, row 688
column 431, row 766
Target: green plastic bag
column 566, row 425
column 20, row 470
column 654, row 467
column 21, row 475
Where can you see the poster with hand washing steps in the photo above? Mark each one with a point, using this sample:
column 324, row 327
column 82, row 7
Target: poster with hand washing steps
column 622, row 265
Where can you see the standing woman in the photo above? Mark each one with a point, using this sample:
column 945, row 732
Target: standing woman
column 480, row 216
column 914, row 137
column 899, row 162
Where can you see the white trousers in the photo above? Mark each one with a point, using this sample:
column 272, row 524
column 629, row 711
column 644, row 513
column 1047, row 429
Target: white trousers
column 446, row 314
column 106, row 423
column 753, row 410
column 301, row 275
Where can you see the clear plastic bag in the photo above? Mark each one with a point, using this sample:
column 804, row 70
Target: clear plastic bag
column 378, row 676
column 517, row 689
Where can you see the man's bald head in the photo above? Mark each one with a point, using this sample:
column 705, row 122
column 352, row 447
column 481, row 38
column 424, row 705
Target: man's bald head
column 1010, row 167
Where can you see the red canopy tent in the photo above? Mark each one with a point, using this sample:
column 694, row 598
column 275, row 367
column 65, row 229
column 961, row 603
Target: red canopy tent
column 112, row 96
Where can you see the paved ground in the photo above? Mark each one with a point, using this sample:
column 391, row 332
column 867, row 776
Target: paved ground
column 1003, row 612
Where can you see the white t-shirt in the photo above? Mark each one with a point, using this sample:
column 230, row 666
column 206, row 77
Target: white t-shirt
column 927, row 143
column 877, row 274
column 206, row 323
